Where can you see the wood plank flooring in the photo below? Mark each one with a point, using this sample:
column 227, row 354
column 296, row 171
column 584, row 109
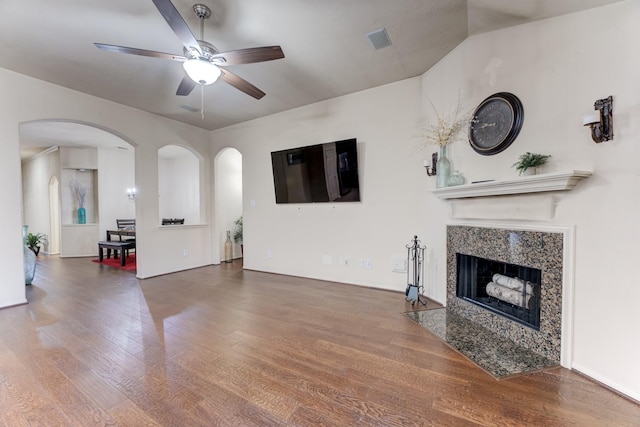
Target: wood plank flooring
column 224, row 346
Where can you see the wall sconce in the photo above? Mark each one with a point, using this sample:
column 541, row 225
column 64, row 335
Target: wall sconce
column 600, row 121
column 131, row 194
column 431, row 168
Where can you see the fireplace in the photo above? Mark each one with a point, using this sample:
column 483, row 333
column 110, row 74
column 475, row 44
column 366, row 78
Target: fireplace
column 509, row 290
column 533, row 259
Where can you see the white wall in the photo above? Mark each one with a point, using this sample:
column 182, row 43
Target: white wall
column 558, row 68
column 299, row 239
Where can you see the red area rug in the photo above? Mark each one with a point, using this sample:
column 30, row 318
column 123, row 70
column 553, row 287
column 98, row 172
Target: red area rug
column 129, row 266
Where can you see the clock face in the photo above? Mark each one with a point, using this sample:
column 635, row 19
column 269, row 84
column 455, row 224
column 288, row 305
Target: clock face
column 495, row 123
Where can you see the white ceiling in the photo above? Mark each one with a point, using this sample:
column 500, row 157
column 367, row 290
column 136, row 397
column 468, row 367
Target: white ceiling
column 326, row 51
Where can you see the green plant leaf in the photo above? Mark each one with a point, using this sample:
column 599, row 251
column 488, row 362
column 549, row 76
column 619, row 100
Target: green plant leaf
column 530, row 160
column 237, row 231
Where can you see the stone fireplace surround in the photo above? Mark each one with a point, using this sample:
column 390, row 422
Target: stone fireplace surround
column 544, row 250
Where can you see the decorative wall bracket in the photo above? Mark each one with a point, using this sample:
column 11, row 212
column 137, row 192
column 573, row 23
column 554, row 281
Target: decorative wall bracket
column 431, row 169
column 601, row 122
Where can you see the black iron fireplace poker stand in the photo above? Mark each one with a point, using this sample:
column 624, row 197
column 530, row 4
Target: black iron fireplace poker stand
column 415, row 268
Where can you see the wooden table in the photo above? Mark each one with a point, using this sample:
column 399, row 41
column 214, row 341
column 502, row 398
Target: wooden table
column 121, row 232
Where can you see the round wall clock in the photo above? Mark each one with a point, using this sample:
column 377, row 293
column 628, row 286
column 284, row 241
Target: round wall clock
column 496, row 123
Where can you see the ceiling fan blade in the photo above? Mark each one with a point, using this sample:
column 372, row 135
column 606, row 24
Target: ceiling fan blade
column 141, row 52
column 177, row 24
column 186, row 86
column 241, row 84
column 250, row 55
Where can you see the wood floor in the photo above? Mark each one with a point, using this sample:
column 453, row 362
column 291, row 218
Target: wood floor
column 223, row 346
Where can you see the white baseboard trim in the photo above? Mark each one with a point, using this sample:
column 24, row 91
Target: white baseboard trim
column 627, row 392
column 8, row 304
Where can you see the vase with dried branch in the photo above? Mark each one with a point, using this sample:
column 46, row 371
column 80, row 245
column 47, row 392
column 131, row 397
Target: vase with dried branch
column 80, row 192
column 446, row 130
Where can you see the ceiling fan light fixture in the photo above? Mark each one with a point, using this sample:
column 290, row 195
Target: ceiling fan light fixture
column 201, row 71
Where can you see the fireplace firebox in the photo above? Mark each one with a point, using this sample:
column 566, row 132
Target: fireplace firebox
column 509, row 290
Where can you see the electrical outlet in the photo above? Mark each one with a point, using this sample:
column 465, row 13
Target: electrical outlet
column 399, row 264
column 185, row 252
column 269, row 254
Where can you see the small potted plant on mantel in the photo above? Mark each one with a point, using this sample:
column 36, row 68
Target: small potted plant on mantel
column 528, row 163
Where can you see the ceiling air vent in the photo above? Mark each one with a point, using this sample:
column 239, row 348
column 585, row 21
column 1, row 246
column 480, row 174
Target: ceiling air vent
column 379, row 38
column 190, row 108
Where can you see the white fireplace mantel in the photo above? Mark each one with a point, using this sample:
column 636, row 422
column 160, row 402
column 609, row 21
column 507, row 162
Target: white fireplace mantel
column 556, row 181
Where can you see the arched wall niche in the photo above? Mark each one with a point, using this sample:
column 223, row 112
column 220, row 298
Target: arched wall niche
column 180, row 175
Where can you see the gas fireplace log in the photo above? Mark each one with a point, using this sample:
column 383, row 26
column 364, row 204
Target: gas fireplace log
column 511, row 296
column 513, row 283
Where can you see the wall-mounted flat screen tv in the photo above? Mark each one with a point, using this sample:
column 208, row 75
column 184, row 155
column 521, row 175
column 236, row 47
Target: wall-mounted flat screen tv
column 317, row 173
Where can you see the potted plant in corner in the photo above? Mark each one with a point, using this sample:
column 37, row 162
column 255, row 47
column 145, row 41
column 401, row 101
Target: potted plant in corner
column 237, row 233
column 35, row 240
column 528, row 163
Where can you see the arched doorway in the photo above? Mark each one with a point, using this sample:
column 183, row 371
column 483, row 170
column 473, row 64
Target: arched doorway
column 228, row 196
column 55, row 154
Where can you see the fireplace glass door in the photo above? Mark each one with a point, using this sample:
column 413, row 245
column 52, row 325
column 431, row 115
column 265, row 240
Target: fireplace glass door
column 508, row 290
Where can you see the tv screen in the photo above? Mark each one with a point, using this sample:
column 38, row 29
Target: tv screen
column 317, row 173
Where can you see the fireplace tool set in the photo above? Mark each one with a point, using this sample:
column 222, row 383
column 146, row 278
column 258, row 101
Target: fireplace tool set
column 415, row 268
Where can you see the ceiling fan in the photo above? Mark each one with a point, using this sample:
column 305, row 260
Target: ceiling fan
column 202, row 62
